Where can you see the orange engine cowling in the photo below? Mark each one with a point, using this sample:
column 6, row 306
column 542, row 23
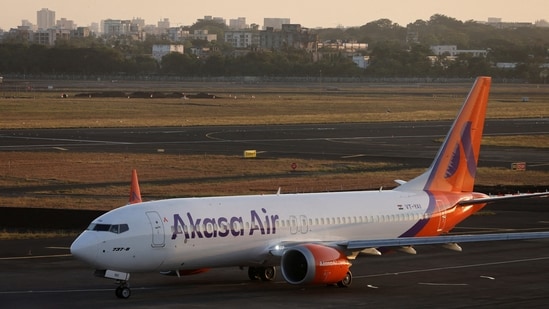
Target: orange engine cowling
column 314, row 264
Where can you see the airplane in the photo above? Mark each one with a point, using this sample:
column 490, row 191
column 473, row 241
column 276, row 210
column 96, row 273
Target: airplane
column 311, row 237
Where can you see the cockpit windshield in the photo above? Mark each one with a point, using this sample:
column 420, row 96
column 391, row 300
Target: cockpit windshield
column 113, row 228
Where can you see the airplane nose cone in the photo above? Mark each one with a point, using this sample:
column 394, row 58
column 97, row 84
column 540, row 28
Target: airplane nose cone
column 85, row 247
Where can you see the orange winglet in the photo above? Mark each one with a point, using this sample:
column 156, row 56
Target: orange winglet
column 135, row 192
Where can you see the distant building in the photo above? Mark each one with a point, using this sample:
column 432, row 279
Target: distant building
column 349, row 47
column 506, row 65
column 177, row 34
column 290, row 36
column 238, row 24
column 140, row 22
column 242, row 38
column 81, row 32
column 94, row 27
column 159, row 51
column 361, row 61
column 498, row 23
column 20, row 34
column 220, row 20
column 452, row 51
column 542, row 23
column 117, row 27
column 45, row 19
column 26, row 23
column 203, row 35
column 64, row 23
column 164, row 24
column 49, row 36
column 275, row 23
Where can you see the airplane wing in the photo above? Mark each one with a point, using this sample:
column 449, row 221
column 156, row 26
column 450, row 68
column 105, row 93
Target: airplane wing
column 359, row 245
column 433, row 240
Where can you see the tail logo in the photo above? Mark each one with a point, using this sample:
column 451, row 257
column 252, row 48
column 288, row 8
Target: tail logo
column 467, row 147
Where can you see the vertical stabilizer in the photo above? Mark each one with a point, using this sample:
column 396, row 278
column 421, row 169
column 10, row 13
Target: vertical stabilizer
column 135, row 192
column 455, row 165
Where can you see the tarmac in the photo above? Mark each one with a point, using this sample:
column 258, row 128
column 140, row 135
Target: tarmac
column 41, row 273
column 509, row 274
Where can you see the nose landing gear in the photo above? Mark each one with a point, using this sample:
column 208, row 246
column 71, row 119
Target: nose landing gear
column 123, row 290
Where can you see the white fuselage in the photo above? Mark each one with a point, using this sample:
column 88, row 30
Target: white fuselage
column 192, row 233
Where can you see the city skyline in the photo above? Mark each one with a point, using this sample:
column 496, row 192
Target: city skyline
column 310, row 14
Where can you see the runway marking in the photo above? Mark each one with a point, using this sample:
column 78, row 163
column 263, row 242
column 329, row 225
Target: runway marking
column 94, row 290
column 442, row 284
column 454, row 267
column 59, row 291
column 59, row 146
column 34, row 257
column 353, row 156
column 63, row 139
column 60, row 248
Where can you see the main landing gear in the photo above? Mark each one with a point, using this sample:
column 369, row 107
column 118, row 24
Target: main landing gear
column 123, row 290
column 346, row 281
column 264, row 273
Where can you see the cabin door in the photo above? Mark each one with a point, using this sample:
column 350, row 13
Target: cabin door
column 158, row 236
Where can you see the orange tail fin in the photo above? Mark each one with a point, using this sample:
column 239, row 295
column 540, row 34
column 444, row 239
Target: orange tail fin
column 135, row 192
column 455, row 165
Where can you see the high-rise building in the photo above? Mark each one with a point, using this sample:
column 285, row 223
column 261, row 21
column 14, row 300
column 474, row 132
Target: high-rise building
column 238, row 24
column 164, row 24
column 64, row 23
column 275, row 23
column 45, row 19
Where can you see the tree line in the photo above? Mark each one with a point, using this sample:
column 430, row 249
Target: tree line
column 394, row 51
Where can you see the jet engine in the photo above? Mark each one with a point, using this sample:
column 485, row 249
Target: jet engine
column 315, row 264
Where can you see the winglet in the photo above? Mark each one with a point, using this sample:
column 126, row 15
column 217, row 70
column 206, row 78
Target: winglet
column 135, row 192
column 455, row 165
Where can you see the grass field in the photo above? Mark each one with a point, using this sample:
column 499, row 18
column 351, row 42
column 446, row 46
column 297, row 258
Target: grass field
column 101, row 181
column 264, row 105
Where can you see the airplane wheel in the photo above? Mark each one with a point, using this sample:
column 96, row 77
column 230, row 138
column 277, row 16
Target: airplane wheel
column 346, row 282
column 253, row 273
column 267, row 273
column 123, row 292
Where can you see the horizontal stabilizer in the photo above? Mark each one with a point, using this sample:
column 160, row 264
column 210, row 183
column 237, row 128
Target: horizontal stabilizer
column 498, row 198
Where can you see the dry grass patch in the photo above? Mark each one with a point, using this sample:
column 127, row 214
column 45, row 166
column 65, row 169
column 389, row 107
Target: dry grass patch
column 267, row 106
column 534, row 141
column 101, row 181
column 35, row 234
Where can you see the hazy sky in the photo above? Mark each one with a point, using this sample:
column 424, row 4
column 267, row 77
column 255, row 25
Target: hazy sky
column 308, row 13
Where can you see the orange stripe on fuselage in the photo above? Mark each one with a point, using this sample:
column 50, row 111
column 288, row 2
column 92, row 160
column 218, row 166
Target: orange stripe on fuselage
column 447, row 215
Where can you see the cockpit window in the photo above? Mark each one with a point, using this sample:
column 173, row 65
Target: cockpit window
column 113, row 228
column 123, row 228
